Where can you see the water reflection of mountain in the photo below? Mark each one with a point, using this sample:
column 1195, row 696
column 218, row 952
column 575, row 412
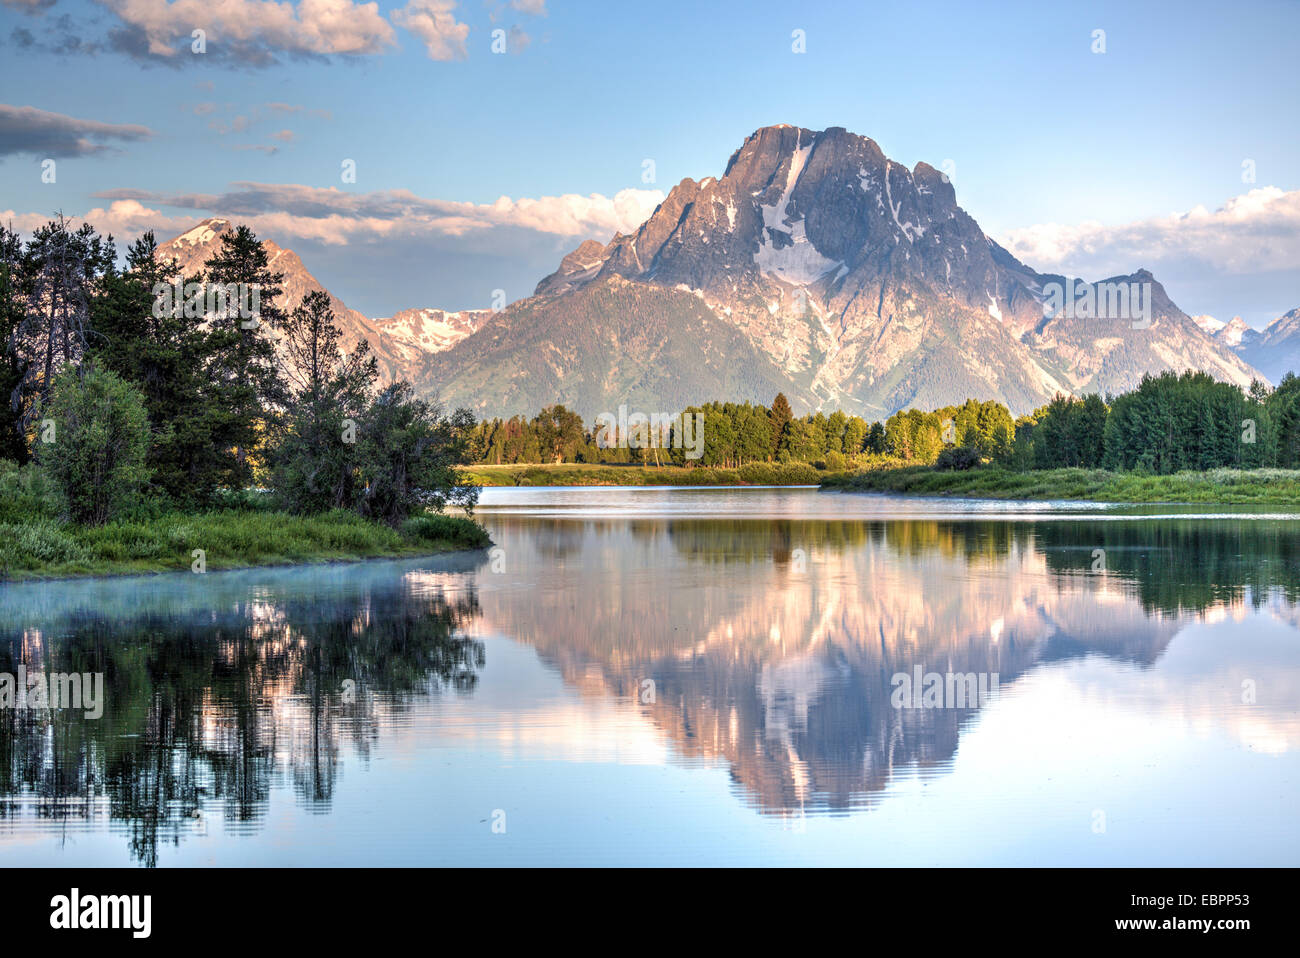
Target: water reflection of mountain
column 772, row 644
column 211, row 704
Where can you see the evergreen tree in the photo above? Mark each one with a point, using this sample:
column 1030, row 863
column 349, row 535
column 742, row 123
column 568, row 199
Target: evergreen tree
column 314, row 456
column 243, row 366
column 13, row 366
column 163, row 353
column 780, row 417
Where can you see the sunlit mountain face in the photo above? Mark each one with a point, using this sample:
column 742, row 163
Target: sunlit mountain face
column 610, row 678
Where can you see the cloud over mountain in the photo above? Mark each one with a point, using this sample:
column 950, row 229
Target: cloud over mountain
column 1243, row 257
column 331, row 215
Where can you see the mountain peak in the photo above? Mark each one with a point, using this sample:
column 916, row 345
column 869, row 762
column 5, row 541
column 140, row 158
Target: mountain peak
column 867, row 285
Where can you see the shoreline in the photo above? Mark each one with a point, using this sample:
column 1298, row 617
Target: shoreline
column 541, row 475
column 1221, row 487
column 451, row 549
column 1224, row 487
column 45, row 549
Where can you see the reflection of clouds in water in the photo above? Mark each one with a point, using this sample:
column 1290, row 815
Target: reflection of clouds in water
column 1193, row 686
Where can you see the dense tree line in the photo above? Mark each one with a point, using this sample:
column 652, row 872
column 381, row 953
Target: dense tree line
column 733, row 434
column 1170, row 422
column 118, row 391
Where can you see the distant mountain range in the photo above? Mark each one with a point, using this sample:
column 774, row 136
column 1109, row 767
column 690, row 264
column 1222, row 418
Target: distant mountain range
column 815, row 266
column 1274, row 350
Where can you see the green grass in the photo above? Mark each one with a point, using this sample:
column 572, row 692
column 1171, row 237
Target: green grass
column 579, row 474
column 1223, row 486
column 230, row 538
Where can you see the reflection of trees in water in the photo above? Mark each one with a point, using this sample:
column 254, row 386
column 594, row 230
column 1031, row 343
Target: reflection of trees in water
column 1178, row 565
column 211, row 707
column 1175, row 565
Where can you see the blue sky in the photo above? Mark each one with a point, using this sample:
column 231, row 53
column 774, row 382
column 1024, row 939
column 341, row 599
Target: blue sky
column 1075, row 158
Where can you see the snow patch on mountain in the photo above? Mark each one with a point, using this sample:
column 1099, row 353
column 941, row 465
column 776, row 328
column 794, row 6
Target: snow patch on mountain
column 785, row 250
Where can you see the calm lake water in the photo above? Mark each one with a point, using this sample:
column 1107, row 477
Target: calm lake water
column 651, row 676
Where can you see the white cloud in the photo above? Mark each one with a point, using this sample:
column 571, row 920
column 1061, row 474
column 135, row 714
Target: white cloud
column 254, row 29
column 333, row 216
column 387, row 250
column 126, row 218
column 1256, row 232
column 434, row 23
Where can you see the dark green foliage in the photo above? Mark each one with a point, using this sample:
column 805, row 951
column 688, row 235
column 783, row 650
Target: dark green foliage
column 166, row 355
column 13, row 366
column 314, row 455
column 1070, row 432
column 62, row 273
column 958, row 457
column 1283, row 407
column 26, row 493
column 410, row 451
column 435, row 528
column 199, row 394
column 780, row 416
column 242, row 369
column 95, row 437
column 1172, row 423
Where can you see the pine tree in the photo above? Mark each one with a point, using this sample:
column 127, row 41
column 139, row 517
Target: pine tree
column 780, row 416
column 314, row 452
column 243, row 368
column 13, row 367
column 163, row 353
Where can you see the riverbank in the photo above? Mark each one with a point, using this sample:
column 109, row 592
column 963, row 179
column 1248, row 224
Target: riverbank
column 1222, row 486
column 225, row 539
column 580, row 474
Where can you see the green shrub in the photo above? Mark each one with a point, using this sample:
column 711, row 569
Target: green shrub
column 957, row 458
column 32, row 544
column 95, row 452
column 435, row 528
column 26, row 493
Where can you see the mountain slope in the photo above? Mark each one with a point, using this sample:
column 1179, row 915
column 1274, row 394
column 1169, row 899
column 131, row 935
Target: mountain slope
column 607, row 343
column 814, row 266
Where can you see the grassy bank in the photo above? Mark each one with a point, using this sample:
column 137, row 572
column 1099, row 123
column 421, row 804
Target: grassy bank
column 230, row 538
column 578, row 474
column 1226, row 486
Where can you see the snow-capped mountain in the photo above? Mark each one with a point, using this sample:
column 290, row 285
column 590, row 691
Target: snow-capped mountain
column 1233, row 333
column 860, row 283
column 418, row 332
